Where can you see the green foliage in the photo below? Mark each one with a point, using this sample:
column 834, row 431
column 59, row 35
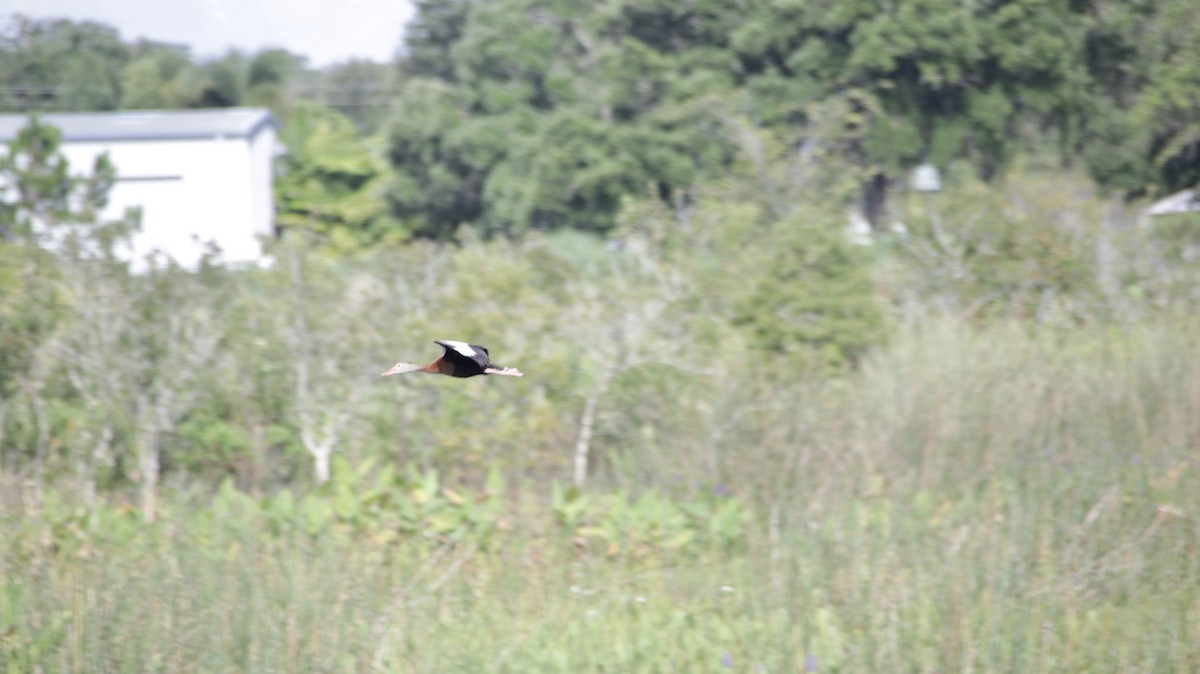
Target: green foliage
column 439, row 177
column 29, row 310
column 581, row 168
column 508, row 132
column 814, row 296
column 436, row 27
column 267, row 75
column 1168, row 111
column 1179, row 235
column 1029, row 252
column 360, row 89
column 651, row 525
column 44, row 201
column 24, row 647
column 620, row 89
column 909, row 513
column 1003, row 483
column 389, row 506
column 160, row 78
column 58, row 64
column 333, row 185
column 534, row 114
column 41, row 186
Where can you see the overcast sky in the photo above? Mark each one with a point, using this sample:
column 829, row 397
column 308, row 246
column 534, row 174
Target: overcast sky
column 326, row 31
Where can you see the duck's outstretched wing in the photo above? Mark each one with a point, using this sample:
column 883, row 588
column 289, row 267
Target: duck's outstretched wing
column 461, row 352
column 507, row 371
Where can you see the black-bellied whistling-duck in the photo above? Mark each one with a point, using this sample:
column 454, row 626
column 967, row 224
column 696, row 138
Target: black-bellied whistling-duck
column 459, row 360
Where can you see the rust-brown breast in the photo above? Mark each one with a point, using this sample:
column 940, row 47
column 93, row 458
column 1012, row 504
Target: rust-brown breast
column 444, row 366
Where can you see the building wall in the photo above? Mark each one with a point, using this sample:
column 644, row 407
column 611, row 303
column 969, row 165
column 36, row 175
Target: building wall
column 262, row 180
column 191, row 192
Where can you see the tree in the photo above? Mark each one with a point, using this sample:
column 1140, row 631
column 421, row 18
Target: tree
column 38, row 178
column 48, row 202
column 767, row 244
column 581, row 95
column 440, row 161
column 268, row 75
column 58, row 64
column 161, row 76
column 615, row 321
column 1028, row 252
column 360, row 89
column 1169, row 107
column 333, row 185
column 952, row 81
column 327, row 343
column 813, row 298
column 30, row 311
column 133, row 345
column 44, row 204
column 138, row 350
column 430, row 38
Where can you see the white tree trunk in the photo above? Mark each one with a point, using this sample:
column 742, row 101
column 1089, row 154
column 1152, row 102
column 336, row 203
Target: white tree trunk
column 587, row 420
column 321, row 456
column 148, row 467
column 153, row 419
column 583, row 442
column 320, row 446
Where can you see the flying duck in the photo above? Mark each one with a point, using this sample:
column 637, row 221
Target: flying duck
column 459, row 360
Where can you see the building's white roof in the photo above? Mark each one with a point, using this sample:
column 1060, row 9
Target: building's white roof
column 148, row 124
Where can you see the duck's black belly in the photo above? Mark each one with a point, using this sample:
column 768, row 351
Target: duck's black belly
column 468, row 369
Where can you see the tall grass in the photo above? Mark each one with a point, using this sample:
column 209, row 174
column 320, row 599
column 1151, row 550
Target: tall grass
column 971, row 500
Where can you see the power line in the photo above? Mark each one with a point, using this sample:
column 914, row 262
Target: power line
column 297, row 91
column 23, row 98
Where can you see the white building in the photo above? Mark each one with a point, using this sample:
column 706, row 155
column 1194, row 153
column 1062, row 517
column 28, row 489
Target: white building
column 199, row 176
column 1187, row 201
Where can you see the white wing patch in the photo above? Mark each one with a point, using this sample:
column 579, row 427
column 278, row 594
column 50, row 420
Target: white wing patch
column 461, row 347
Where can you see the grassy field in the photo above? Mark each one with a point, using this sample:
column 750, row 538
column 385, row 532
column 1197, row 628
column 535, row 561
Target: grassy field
column 968, row 501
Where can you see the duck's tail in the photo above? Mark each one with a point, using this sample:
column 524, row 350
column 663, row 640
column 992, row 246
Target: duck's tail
column 506, row 371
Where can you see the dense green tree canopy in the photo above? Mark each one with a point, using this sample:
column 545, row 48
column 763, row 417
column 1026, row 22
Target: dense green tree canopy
column 1168, row 110
column 595, row 102
column 60, row 65
column 509, row 115
column 331, row 184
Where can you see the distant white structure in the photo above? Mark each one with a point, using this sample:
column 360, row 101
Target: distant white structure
column 926, row 178
column 200, row 176
column 1187, row 201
